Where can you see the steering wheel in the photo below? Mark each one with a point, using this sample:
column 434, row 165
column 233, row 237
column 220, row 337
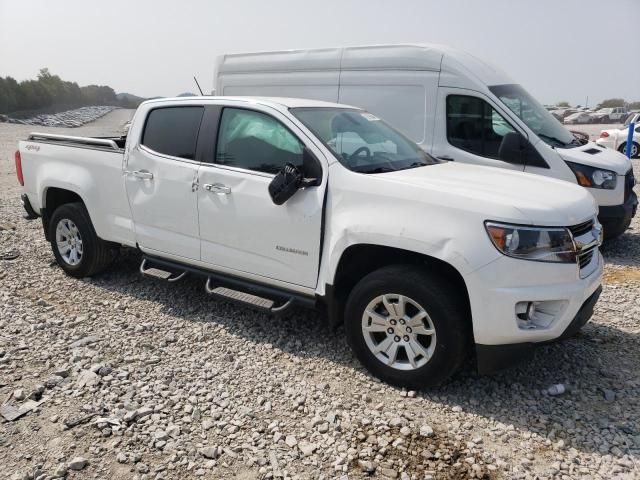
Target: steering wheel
column 360, row 150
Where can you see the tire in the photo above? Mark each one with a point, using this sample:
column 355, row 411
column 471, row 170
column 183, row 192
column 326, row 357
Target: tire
column 635, row 149
column 71, row 226
column 444, row 352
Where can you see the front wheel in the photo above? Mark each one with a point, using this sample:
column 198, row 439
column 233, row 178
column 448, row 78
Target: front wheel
column 77, row 248
column 407, row 327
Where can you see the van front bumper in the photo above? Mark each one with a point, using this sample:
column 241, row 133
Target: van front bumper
column 616, row 219
column 493, row 358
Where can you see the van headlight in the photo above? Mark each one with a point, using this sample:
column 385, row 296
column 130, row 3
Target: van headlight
column 593, row 177
column 542, row 244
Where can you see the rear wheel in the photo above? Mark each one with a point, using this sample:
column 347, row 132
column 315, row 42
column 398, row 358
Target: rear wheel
column 74, row 242
column 407, row 327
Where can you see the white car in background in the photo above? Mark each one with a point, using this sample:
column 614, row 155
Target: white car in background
column 633, row 117
column 578, row 117
column 611, row 114
column 616, row 138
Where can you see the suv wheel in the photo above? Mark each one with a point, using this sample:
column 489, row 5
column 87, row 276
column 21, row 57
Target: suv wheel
column 635, row 149
column 407, row 327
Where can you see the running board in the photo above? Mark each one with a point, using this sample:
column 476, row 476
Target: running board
column 160, row 274
column 264, row 304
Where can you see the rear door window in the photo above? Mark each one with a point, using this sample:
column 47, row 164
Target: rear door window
column 475, row 126
column 173, row 131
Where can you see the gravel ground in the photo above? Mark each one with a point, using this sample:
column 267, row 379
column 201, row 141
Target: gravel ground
column 145, row 380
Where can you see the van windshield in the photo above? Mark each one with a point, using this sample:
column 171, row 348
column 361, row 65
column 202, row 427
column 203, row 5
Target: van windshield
column 534, row 115
column 361, row 141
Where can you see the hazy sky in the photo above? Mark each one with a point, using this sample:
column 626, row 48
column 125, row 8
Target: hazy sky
column 558, row 49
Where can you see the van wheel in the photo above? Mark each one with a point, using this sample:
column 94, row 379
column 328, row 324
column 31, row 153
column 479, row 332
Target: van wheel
column 406, row 326
column 635, row 149
column 74, row 242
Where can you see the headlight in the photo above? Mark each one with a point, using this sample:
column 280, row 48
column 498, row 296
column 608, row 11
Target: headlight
column 542, row 244
column 593, row 177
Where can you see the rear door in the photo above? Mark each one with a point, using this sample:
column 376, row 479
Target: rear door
column 160, row 178
column 242, row 231
column 469, row 129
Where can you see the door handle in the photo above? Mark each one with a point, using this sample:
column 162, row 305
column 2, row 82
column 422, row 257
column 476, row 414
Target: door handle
column 218, row 188
column 142, row 174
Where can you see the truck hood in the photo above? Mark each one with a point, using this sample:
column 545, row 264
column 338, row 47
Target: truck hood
column 596, row 156
column 497, row 194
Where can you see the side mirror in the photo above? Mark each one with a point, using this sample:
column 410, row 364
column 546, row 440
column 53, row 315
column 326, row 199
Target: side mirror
column 516, row 149
column 312, row 169
column 286, row 182
column 512, row 148
column 290, row 179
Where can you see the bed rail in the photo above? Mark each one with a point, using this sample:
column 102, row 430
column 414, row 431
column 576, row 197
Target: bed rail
column 89, row 141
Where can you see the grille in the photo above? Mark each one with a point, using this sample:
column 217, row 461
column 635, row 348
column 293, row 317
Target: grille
column 585, row 258
column 629, row 182
column 581, row 228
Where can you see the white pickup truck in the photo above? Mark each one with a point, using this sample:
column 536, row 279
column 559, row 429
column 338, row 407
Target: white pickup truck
column 284, row 202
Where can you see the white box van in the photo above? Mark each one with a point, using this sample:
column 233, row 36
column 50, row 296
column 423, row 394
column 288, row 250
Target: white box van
column 455, row 106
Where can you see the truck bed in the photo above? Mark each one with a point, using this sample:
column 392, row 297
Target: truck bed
column 91, row 167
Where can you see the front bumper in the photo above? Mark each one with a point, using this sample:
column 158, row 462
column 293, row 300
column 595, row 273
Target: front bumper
column 492, row 358
column 557, row 290
column 617, row 218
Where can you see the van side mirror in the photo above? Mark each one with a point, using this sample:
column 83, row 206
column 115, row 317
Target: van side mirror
column 516, row 149
column 290, row 179
column 512, row 148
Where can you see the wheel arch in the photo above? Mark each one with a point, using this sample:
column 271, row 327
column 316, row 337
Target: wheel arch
column 53, row 197
column 361, row 259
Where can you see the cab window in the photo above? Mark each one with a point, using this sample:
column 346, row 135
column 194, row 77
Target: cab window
column 256, row 141
column 173, row 131
column 475, row 126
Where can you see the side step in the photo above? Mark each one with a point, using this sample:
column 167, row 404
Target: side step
column 160, row 274
column 248, row 299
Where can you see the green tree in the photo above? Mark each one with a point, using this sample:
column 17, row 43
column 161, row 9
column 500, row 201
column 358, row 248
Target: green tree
column 50, row 90
column 612, row 102
column 563, row 104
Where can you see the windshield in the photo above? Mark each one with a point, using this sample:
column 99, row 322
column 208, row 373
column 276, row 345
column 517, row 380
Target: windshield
column 629, row 119
column 361, row 141
column 534, row 115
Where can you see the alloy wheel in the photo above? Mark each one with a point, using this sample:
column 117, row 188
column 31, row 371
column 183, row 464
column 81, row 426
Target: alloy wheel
column 399, row 331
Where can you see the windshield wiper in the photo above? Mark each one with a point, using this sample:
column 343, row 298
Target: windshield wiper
column 418, row 164
column 379, row 170
column 560, row 143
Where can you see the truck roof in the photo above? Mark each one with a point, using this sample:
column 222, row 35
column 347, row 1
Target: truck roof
column 276, row 102
column 429, row 57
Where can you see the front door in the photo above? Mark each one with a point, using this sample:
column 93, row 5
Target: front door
column 160, row 177
column 241, row 230
column 469, row 129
